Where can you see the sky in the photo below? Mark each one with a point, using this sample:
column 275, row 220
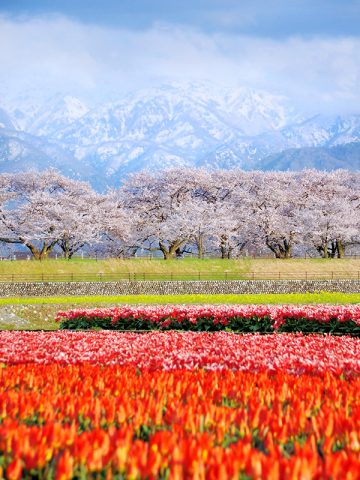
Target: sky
column 308, row 51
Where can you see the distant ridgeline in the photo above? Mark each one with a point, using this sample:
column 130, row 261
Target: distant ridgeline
column 172, row 126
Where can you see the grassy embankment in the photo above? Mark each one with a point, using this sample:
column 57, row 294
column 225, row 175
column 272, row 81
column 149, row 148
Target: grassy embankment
column 28, row 313
column 186, row 268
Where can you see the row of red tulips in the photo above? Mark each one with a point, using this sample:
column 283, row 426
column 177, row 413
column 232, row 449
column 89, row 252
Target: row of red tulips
column 104, row 422
column 239, row 318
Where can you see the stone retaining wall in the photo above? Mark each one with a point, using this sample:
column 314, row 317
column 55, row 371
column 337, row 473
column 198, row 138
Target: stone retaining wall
column 47, row 289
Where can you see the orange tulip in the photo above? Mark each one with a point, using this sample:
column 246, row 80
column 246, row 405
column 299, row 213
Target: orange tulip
column 14, row 470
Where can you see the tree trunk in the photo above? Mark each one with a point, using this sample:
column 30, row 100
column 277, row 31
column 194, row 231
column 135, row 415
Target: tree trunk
column 287, row 249
column 200, row 245
column 35, row 252
column 64, row 245
column 169, row 252
column 40, row 254
column 281, row 250
column 46, row 249
column 333, row 249
column 225, row 248
column 241, row 248
column 67, row 248
column 323, row 250
column 340, row 247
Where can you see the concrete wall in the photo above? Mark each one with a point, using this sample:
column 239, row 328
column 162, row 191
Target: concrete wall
column 176, row 287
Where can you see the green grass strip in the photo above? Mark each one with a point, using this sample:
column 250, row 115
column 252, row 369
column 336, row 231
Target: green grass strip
column 291, row 298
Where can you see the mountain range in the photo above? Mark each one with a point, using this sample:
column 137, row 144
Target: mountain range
column 195, row 125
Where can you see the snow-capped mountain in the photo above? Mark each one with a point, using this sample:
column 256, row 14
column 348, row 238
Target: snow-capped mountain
column 56, row 115
column 170, row 124
column 47, row 117
column 316, row 132
column 174, row 125
column 5, row 120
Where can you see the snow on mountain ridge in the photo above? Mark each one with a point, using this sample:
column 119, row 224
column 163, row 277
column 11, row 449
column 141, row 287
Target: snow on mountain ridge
column 56, row 115
column 192, row 117
column 189, row 124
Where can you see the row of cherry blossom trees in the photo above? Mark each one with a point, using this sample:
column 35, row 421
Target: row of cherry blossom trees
column 183, row 209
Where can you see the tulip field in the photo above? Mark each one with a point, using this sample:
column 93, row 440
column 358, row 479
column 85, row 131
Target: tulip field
column 179, row 405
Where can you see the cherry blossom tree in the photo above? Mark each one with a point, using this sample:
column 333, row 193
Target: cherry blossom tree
column 40, row 210
column 24, row 218
column 330, row 215
column 275, row 202
column 82, row 217
column 158, row 203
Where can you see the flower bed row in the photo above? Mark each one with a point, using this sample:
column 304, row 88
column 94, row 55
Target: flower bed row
column 237, row 318
column 175, row 405
column 103, row 422
column 293, row 353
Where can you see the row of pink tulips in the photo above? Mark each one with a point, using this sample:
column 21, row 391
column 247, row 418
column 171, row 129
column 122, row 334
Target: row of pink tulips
column 293, row 353
column 162, row 315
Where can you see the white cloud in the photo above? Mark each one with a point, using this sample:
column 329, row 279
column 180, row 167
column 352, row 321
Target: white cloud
column 56, row 53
